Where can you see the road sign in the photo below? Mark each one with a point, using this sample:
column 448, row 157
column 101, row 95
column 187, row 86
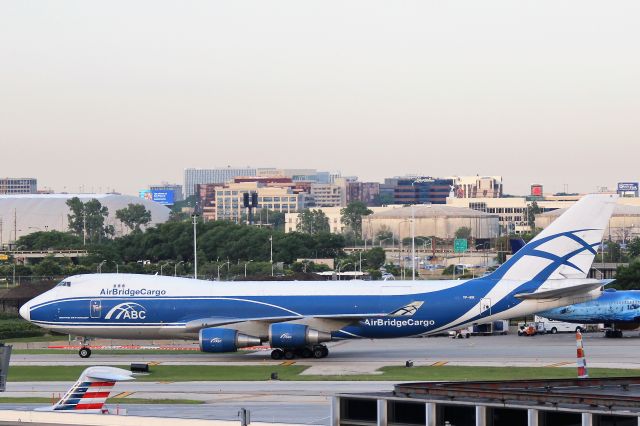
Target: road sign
column 459, row 245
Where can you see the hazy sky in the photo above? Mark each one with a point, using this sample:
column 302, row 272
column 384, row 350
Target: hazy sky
column 120, row 94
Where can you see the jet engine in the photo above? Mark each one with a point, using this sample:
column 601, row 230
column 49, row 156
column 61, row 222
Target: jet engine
column 283, row 335
column 225, row 340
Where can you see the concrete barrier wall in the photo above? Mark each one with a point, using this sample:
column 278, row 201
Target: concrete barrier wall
column 111, row 420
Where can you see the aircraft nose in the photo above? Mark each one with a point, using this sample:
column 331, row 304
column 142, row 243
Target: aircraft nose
column 25, row 311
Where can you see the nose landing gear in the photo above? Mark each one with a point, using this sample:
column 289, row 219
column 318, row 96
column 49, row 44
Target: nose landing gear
column 85, row 351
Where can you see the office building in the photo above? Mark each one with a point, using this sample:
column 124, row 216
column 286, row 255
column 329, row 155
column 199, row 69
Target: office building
column 221, row 175
column 10, row 186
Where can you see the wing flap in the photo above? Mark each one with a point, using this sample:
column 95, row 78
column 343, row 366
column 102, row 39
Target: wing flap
column 558, row 293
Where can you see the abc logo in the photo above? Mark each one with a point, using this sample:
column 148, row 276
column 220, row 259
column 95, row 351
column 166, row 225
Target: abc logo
column 127, row 311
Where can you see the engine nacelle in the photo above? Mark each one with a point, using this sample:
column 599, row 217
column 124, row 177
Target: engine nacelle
column 283, row 335
column 225, row 340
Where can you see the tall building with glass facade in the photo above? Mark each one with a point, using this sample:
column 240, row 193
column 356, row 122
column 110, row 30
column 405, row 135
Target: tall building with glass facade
column 221, row 175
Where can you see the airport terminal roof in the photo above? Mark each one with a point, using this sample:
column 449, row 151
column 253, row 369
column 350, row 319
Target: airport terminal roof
column 431, row 211
column 41, row 212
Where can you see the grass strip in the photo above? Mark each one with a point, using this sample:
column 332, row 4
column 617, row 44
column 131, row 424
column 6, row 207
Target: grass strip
column 106, row 352
column 118, row 401
column 182, row 373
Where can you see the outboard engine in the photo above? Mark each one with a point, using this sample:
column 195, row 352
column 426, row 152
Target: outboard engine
column 283, row 335
column 225, row 340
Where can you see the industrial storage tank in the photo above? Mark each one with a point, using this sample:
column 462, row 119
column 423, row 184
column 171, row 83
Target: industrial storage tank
column 433, row 220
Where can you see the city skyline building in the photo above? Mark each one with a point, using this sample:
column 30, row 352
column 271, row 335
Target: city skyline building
column 12, row 186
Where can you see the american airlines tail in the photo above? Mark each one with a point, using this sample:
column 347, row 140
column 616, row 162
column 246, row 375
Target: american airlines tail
column 91, row 391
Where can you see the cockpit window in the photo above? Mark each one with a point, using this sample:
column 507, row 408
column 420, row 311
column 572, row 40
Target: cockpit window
column 64, row 284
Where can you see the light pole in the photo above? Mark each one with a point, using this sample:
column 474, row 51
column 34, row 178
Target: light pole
column 116, row 263
column 245, row 268
column 163, row 265
column 195, row 247
column 220, row 266
column 401, row 263
column 413, row 243
column 175, row 268
column 341, row 266
column 99, row 269
column 271, row 252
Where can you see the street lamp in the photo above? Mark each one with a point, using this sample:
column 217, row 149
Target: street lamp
column 341, row 266
column 220, row 266
column 163, row 265
column 245, row 268
column 195, row 247
column 99, row 269
column 401, row 263
column 271, row 252
column 116, row 263
column 175, row 268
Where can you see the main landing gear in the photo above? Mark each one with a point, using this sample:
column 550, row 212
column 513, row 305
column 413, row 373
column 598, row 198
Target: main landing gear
column 617, row 334
column 316, row 351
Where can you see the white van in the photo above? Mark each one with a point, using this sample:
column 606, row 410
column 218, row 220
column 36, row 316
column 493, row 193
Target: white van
column 553, row 327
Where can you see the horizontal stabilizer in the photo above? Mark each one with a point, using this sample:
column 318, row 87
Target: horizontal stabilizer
column 577, row 290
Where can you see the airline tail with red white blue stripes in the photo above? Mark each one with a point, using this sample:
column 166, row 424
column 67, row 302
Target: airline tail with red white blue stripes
column 91, row 391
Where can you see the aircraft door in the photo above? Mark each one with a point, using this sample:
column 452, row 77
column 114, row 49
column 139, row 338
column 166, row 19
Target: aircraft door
column 485, row 306
column 95, row 307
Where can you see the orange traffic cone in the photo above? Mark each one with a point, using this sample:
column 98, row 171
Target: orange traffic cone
column 582, row 362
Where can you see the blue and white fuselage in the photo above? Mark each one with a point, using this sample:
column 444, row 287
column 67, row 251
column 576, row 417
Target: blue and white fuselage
column 550, row 271
column 142, row 306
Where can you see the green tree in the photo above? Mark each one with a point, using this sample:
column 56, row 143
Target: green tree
column 463, row 232
column 89, row 217
column 312, row 222
column 376, row 257
column 614, row 252
column 352, row 216
column 633, row 247
column 48, row 267
column 628, row 277
column 134, row 216
column 532, row 211
column 384, row 233
column 49, row 240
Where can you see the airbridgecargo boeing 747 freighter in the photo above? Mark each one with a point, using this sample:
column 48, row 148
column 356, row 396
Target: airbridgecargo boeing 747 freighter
column 296, row 318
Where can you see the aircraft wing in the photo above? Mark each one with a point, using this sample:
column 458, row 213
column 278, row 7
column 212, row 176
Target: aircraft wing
column 575, row 290
column 323, row 322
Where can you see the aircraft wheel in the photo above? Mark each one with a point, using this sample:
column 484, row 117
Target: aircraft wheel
column 277, row 354
column 318, row 352
column 618, row 334
column 306, row 353
column 289, row 354
column 84, row 352
column 325, row 352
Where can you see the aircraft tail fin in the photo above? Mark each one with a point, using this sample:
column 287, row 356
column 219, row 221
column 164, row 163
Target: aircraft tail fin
column 89, row 393
column 566, row 248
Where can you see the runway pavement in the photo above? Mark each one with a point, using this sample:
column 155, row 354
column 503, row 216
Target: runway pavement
column 308, row 402
column 365, row 356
